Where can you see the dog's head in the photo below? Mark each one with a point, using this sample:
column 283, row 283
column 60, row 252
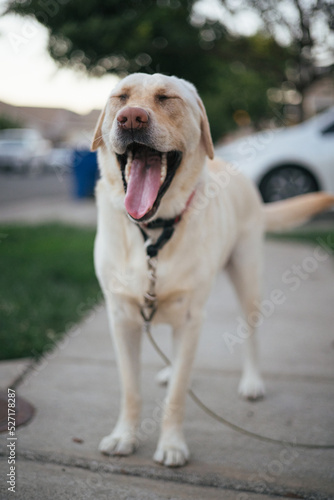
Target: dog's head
column 152, row 135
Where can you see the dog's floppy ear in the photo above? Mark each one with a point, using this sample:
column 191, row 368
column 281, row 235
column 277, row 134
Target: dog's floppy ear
column 205, row 128
column 98, row 139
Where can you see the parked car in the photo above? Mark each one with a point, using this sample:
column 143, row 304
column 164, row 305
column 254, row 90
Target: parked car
column 22, row 150
column 60, row 160
column 289, row 161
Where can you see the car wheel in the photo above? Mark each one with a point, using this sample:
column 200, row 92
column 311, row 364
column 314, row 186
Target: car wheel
column 286, row 182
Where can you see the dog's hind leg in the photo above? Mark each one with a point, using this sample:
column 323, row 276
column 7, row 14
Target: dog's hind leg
column 245, row 271
column 127, row 338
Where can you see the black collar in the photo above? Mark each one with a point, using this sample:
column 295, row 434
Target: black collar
column 167, row 226
column 162, row 223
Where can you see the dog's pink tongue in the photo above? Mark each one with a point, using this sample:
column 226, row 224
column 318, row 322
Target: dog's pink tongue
column 143, row 186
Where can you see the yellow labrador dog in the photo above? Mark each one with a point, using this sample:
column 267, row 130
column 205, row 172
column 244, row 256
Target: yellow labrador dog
column 197, row 216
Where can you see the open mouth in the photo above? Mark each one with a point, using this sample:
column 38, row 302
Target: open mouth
column 147, row 174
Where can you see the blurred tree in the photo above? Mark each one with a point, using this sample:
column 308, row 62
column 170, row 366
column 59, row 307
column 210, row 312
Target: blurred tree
column 306, row 26
column 238, row 94
column 168, row 36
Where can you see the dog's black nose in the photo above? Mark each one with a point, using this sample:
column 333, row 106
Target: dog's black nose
column 132, row 118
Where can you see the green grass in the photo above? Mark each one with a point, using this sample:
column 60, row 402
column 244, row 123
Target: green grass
column 322, row 237
column 47, row 283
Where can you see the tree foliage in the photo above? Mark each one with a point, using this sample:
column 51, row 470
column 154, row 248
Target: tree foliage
column 167, row 36
column 307, row 26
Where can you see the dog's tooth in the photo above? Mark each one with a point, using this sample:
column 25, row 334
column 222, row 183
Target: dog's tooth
column 163, row 168
column 128, row 167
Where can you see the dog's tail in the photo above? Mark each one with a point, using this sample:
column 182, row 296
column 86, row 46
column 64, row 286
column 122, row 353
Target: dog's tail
column 293, row 212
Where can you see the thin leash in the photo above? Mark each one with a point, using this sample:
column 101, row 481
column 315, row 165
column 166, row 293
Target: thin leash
column 224, row 421
column 149, row 308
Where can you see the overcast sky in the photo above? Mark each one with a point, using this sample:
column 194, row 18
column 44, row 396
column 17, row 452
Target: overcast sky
column 29, row 76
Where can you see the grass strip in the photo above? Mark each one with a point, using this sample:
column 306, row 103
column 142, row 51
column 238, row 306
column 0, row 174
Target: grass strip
column 322, row 237
column 47, row 283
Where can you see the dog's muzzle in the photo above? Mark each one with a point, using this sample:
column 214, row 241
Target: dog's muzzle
column 147, row 173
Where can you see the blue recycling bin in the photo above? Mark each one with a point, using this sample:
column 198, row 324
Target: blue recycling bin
column 85, row 172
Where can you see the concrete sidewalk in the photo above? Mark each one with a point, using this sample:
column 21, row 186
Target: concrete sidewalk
column 75, row 391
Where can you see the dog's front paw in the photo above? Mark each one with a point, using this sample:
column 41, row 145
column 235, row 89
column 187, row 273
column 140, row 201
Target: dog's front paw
column 251, row 386
column 172, row 452
column 118, row 443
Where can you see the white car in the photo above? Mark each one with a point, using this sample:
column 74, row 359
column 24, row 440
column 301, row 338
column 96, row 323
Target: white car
column 22, row 150
column 289, row 161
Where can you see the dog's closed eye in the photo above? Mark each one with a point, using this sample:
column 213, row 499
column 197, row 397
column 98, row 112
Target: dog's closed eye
column 123, row 97
column 161, row 98
column 120, row 97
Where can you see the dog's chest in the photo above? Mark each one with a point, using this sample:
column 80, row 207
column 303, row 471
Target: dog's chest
column 180, row 268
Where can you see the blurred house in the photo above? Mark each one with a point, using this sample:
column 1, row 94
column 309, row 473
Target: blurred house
column 319, row 96
column 55, row 124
